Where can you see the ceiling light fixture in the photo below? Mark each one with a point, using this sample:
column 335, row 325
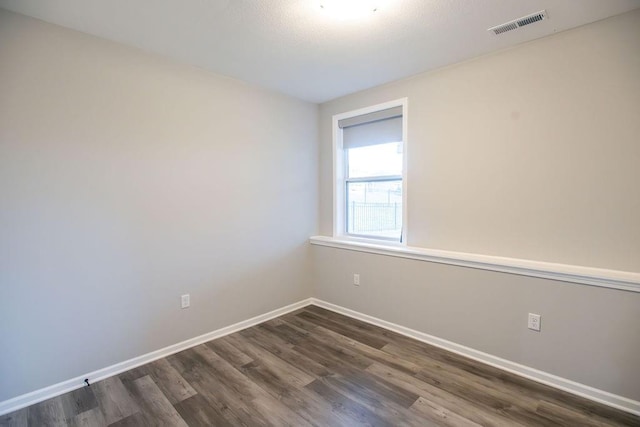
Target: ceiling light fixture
column 349, row 9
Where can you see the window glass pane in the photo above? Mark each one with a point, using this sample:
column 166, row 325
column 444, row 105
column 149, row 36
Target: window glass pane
column 375, row 160
column 375, row 208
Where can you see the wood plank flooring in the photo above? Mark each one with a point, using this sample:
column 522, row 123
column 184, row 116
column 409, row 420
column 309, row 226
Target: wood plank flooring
column 314, row 367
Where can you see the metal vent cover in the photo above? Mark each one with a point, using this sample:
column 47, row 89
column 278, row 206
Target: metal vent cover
column 520, row 22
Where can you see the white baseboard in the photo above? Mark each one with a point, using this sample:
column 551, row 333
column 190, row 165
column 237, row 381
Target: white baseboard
column 591, row 393
column 573, row 387
column 33, row 397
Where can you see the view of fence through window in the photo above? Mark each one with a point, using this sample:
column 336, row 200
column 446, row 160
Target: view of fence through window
column 374, row 190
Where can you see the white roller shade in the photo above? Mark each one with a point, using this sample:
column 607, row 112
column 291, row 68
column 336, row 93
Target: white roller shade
column 380, row 127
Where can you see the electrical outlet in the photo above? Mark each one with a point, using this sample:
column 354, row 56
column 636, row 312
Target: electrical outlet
column 534, row 322
column 356, row 279
column 185, row 301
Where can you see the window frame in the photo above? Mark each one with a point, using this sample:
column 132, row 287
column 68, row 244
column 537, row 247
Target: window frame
column 340, row 176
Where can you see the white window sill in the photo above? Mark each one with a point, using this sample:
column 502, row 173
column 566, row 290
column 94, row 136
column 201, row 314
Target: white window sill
column 624, row 280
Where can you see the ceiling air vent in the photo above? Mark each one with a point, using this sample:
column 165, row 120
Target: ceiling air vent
column 520, row 22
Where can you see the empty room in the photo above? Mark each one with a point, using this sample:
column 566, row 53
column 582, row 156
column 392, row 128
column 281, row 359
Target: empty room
column 319, row 213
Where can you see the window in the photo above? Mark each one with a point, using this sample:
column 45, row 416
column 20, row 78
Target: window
column 369, row 164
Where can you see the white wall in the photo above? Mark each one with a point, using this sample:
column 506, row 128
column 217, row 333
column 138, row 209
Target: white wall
column 530, row 153
column 127, row 180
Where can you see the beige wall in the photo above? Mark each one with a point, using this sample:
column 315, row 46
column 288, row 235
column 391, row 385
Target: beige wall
column 127, row 180
column 528, row 153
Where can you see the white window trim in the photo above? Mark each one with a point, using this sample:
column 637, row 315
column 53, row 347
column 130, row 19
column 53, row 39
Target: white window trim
column 339, row 170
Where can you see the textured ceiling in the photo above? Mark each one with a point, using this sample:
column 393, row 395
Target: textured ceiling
column 295, row 47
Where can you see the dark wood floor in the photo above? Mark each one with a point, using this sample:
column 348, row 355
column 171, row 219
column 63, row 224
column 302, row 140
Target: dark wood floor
column 316, row 367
